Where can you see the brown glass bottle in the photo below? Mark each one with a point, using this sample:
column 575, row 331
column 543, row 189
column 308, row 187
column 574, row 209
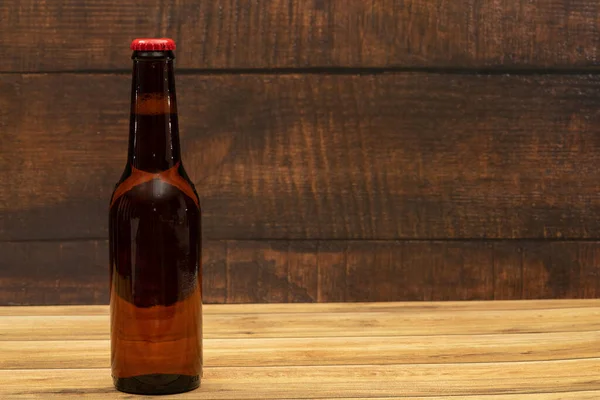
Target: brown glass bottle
column 154, row 235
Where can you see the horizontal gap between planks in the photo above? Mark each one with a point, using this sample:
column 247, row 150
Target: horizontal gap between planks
column 449, row 396
column 348, row 307
column 412, row 364
column 444, row 396
column 441, row 365
column 299, row 240
column 249, row 337
column 309, row 338
column 341, row 71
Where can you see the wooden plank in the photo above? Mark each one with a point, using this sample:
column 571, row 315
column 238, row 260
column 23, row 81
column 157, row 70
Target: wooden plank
column 75, row 272
column 417, row 269
column 65, row 272
column 508, row 271
column 466, row 272
column 214, row 272
column 324, row 351
column 325, row 324
column 199, row 394
column 257, row 272
column 303, row 277
column 281, row 308
column 505, row 365
column 549, row 276
column 392, row 156
column 332, row 381
column 576, row 395
column 332, row 270
column 589, row 277
column 379, row 282
column 287, row 34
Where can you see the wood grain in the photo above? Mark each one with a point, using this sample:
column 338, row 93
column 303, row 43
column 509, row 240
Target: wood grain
column 385, row 350
column 71, row 384
column 67, row 272
column 396, row 358
column 282, row 308
column 290, row 34
column 394, row 320
column 392, row 156
column 75, row 272
column 362, row 381
column 508, row 271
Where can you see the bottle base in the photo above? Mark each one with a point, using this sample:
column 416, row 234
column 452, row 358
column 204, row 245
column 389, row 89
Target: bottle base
column 157, row 384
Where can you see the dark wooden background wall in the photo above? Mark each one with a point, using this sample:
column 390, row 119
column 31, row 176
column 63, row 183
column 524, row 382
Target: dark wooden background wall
column 344, row 150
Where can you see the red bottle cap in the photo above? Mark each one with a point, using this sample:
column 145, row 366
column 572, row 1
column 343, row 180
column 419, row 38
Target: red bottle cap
column 159, row 44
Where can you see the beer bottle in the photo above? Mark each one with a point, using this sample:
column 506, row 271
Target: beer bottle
column 154, row 235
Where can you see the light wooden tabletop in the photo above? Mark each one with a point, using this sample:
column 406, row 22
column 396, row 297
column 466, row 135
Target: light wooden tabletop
column 530, row 350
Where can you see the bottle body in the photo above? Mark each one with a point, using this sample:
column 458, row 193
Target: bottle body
column 154, row 241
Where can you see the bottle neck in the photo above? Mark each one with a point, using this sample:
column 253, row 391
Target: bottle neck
column 154, row 128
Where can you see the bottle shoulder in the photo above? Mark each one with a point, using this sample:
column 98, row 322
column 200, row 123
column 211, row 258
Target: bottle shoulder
column 155, row 187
